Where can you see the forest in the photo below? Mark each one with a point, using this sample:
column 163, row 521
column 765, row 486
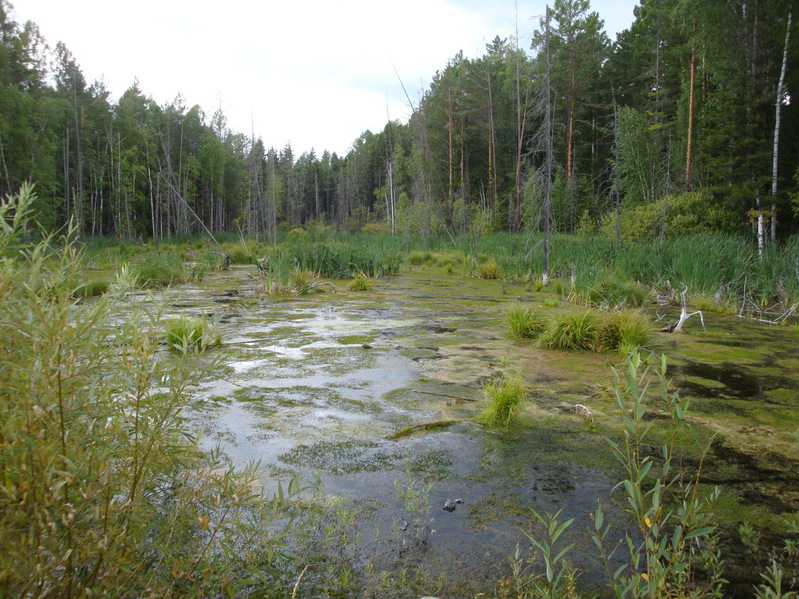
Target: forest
column 684, row 124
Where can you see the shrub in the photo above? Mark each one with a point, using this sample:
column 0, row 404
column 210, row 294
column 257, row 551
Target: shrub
column 672, row 548
column 297, row 234
column 376, row 229
column 104, row 493
column 573, row 331
column 505, row 401
column 526, row 321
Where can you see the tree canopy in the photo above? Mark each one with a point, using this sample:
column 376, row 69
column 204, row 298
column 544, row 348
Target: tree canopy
column 685, row 101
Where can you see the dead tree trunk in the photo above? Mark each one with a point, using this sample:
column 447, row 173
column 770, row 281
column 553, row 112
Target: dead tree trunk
column 778, row 110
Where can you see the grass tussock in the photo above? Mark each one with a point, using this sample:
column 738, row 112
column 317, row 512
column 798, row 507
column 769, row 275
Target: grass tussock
column 160, row 268
column 505, row 399
column 490, row 269
column 526, row 321
column 361, row 283
column 623, row 330
column 573, row 331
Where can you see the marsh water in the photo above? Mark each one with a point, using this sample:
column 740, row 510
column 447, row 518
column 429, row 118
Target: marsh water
column 320, row 384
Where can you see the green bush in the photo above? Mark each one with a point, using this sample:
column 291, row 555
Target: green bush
column 104, row 492
column 526, row 321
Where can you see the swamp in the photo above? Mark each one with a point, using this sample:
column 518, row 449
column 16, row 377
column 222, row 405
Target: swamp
column 331, row 385
column 344, row 419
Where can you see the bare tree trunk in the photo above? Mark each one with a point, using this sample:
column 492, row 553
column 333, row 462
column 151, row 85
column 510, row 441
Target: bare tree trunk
column 616, row 174
column 778, row 110
column 690, row 144
column 548, row 156
column 492, row 147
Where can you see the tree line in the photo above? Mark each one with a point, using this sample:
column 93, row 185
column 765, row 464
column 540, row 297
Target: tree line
column 685, row 123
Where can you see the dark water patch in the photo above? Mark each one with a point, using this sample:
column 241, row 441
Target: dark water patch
column 440, row 329
column 766, row 480
column 337, row 458
column 725, row 379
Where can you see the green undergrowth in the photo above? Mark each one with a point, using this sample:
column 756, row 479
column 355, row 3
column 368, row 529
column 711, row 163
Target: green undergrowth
column 104, row 493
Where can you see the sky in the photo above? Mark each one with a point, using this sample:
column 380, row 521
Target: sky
column 311, row 73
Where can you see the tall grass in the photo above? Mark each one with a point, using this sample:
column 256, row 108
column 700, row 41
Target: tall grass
column 103, row 492
column 160, row 268
column 705, row 263
column 573, row 331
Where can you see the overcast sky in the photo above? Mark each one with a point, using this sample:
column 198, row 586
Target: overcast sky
column 313, row 73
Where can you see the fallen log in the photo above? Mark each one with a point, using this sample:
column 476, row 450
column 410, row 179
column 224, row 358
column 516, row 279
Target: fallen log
column 424, row 426
column 459, row 398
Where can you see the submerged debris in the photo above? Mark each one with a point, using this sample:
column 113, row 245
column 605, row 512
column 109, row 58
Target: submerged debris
column 450, row 505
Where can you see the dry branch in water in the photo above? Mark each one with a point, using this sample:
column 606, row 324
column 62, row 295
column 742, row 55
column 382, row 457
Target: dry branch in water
column 459, row 398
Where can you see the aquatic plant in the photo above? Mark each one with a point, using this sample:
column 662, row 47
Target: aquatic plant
column 490, row 270
column 612, row 293
column 526, row 321
column 419, row 257
column 191, row 334
column 361, row 283
column 505, row 399
column 160, row 268
column 104, row 493
column 415, row 496
column 92, row 288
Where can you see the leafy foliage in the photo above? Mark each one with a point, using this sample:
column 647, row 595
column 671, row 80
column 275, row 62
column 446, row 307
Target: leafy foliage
column 104, row 494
